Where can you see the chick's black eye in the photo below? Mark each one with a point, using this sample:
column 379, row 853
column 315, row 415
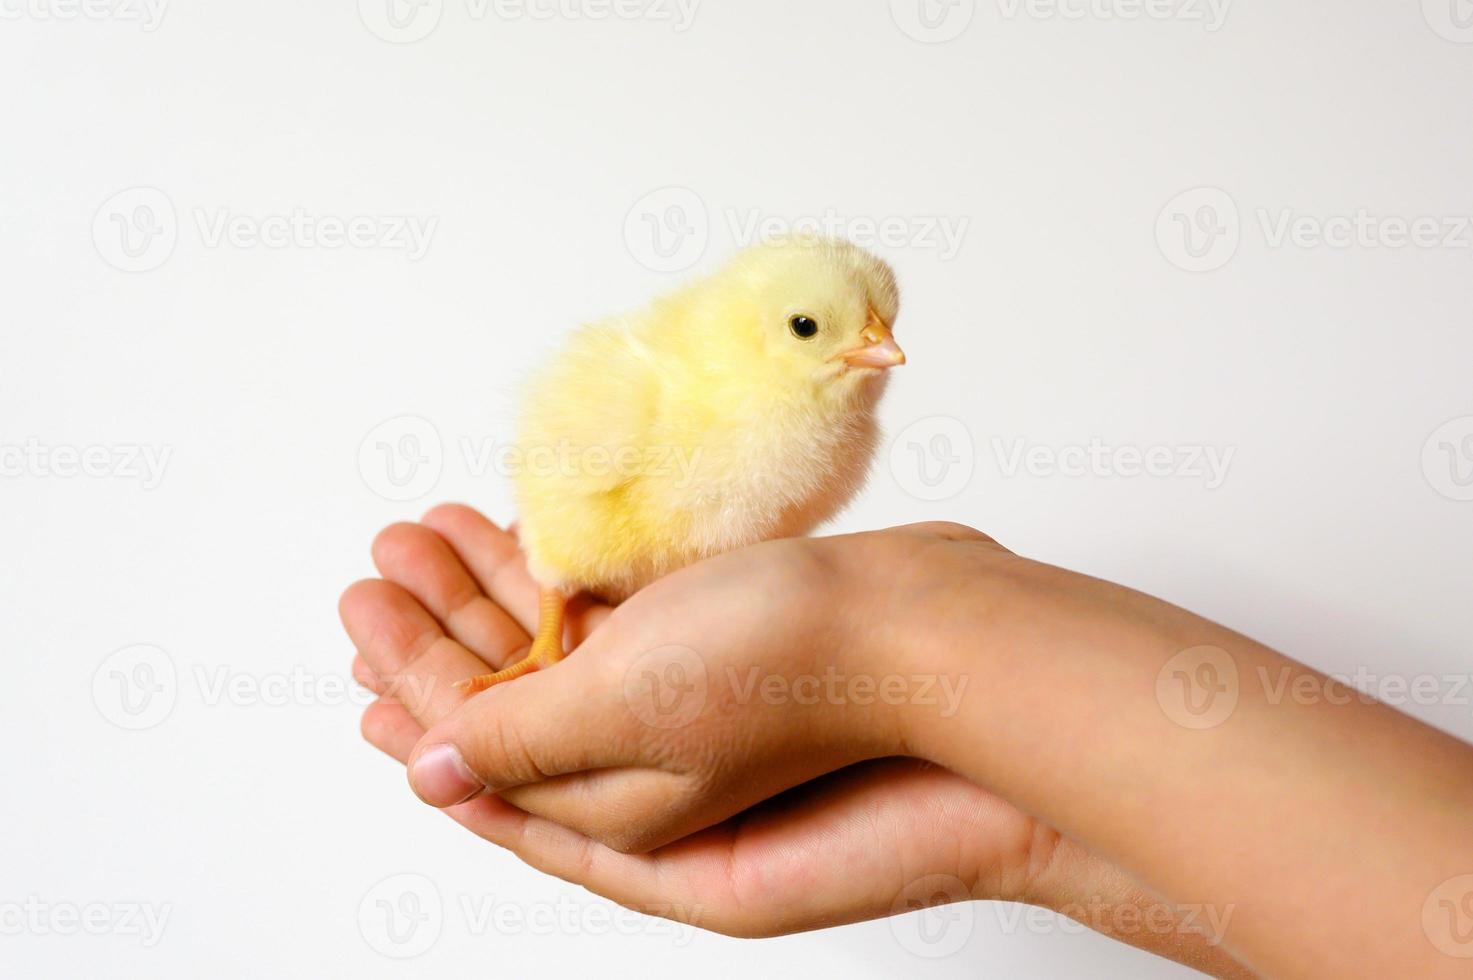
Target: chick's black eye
column 803, row 326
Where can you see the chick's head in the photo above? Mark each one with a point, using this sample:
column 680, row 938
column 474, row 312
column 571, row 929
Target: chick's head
column 821, row 312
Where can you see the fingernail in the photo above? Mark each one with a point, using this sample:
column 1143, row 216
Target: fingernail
column 441, row 777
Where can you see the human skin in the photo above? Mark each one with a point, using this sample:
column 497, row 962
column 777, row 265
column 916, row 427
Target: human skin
column 1059, row 773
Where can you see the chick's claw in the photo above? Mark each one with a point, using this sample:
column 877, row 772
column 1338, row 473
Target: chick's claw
column 547, row 648
column 535, row 660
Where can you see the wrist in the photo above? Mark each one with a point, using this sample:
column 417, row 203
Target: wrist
column 928, row 605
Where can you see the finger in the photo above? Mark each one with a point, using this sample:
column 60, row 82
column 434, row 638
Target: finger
column 493, row 556
column 366, row 675
column 550, row 723
column 389, row 727
column 630, row 810
column 636, row 881
column 946, row 530
column 404, row 645
column 418, row 559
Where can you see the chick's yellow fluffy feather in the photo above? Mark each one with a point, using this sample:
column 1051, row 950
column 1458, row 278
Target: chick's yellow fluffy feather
column 710, row 420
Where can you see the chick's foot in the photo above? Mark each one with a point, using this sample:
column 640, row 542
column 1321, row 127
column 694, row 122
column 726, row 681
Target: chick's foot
column 547, row 648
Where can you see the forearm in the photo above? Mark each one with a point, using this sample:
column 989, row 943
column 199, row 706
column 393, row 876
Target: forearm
column 1099, row 895
column 1323, row 827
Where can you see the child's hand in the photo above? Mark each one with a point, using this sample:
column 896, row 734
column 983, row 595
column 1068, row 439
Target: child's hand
column 839, row 850
column 648, row 765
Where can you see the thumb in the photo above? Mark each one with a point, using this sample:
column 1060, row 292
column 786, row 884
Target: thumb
column 549, row 723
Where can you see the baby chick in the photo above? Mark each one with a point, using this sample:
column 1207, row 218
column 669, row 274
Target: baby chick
column 736, row 410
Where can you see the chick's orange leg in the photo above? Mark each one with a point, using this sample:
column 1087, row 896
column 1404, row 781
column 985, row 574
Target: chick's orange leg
column 547, row 647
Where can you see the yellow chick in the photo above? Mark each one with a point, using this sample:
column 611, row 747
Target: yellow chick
column 735, row 410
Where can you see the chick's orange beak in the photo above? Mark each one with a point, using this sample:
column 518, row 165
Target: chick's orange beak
column 880, row 349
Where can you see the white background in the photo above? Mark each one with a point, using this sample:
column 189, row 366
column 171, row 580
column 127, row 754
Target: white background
column 534, row 145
